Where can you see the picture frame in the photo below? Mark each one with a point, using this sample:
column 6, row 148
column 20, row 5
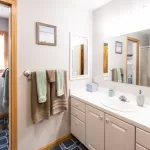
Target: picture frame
column 118, row 47
column 46, row 34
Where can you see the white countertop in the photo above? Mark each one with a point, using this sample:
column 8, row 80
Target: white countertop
column 139, row 118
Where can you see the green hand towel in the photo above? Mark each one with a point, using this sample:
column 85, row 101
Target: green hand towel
column 60, row 82
column 41, row 86
column 119, row 75
column 5, row 103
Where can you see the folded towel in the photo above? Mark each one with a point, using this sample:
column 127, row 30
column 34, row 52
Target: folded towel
column 60, row 82
column 119, row 75
column 59, row 103
column 51, row 75
column 41, row 86
column 5, row 102
column 114, row 75
column 39, row 111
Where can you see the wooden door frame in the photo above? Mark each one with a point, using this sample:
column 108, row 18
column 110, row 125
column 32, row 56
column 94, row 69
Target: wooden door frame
column 137, row 58
column 13, row 73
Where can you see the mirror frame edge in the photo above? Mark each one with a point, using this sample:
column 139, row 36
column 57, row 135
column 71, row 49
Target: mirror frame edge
column 78, row 77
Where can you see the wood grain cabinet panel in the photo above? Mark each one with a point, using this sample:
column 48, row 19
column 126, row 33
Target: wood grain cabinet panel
column 78, row 104
column 78, row 129
column 143, row 138
column 94, row 129
column 139, row 147
column 78, row 114
column 118, row 134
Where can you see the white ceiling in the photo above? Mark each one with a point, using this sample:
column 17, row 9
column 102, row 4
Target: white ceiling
column 90, row 4
column 4, row 11
column 87, row 4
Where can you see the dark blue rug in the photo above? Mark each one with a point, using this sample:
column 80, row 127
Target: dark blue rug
column 71, row 144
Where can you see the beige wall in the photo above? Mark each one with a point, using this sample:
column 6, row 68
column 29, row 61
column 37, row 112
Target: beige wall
column 117, row 18
column 67, row 18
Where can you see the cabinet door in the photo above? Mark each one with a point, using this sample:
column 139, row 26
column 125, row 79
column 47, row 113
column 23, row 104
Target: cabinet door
column 139, row 147
column 94, row 129
column 118, row 134
column 78, row 129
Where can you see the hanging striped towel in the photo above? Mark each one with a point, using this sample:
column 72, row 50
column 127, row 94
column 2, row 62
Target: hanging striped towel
column 59, row 103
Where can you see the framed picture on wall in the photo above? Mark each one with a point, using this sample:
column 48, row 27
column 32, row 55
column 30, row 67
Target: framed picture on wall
column 118, row 48
column 46, row 34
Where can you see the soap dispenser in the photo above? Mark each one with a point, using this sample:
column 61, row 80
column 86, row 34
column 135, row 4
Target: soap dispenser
column 140, row 99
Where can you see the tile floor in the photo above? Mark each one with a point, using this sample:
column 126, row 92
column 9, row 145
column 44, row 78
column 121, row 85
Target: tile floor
column 71, row 144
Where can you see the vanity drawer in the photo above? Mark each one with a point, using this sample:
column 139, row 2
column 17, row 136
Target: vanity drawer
column 77, row 104
column 139, row 147
column 143, row 138
column 78, row 114
column 78, row 129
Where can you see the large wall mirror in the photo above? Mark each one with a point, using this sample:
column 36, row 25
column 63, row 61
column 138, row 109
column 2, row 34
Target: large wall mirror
column 78, row 57
column 127, row 58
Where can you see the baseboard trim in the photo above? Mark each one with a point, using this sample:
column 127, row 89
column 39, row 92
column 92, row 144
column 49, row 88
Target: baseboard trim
column 4, row 115
column 57, row 142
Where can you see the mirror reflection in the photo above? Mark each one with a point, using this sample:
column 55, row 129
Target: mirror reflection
column 79, row 56
column 127, row 58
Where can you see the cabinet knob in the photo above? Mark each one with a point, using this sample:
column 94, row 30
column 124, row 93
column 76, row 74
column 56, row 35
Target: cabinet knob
column 76, row 114
column 76, row 123
column 76, row 104
column 107, row 121
column 101, row 117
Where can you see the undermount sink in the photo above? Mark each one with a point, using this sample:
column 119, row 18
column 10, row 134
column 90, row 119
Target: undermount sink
column 117, row 104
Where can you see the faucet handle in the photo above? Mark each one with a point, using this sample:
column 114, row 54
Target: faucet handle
column 123, row 98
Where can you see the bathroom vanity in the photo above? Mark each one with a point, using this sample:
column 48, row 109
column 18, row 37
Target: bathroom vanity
column 101, row 128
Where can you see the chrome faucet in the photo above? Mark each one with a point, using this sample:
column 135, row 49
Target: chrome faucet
column 123, row 98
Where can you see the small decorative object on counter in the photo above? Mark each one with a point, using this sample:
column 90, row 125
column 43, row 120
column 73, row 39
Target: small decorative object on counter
column 111, row 93
column 140, row 99
column 92, row 87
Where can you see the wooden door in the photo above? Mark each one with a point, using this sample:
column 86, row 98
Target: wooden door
column 118, row 134
column 94, row 129
column 105, row 67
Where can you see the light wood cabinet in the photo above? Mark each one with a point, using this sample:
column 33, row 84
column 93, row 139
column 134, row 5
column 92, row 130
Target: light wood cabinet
column 139, row 147
column 78, row 129
column 143, row 138
column 94, row 129
column 78, row 104
column 118, row 134
column 100, row 131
